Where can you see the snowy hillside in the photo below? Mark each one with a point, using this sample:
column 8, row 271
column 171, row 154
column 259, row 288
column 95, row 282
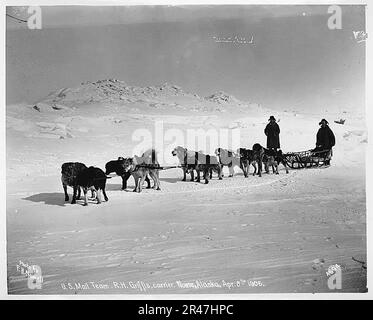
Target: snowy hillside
column 110, row 90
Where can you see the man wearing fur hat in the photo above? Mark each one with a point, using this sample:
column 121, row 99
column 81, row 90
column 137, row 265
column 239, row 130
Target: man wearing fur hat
column 325, row 138
column 272, row 131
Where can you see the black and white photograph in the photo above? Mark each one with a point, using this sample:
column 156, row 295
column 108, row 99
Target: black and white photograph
column 185, row 149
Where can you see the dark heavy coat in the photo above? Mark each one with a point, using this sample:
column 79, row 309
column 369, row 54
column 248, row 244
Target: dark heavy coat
column 272, row 131
column 325, row 138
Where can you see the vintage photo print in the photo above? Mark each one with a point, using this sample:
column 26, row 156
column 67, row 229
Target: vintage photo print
column 179, row 149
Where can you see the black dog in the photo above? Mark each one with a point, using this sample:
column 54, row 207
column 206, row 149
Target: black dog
column 207, row 164
column 268, row 157
column 258, row 153
column 246, row 158
column 88, row 178
column 69, row 172
column 274, row 158
column 118, row 166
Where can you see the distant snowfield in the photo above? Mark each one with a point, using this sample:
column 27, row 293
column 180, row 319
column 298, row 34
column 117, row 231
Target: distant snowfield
column 281, row 232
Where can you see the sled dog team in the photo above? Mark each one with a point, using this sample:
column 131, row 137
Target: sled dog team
column 78, row 176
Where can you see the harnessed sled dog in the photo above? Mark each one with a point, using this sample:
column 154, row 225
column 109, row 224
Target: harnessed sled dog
column 191, row 161
column 246, row 159
column 118, row 167
column 207, row 165
column 90, row 178
column 269, row 158
column 69, row 173
column 188, row 161
column 143, row 167
column 228, row 158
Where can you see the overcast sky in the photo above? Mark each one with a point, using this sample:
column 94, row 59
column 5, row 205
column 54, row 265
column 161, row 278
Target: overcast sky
column 71, row 16
column 295, row 61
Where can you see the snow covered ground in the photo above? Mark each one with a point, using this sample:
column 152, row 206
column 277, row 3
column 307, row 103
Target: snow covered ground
column 278, row 233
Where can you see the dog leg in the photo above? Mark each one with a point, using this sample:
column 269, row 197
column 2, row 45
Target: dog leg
column 231, row 170
column 65, row 191
column 243, row 168
column 198, row 179
column 184, row 171
column 73, row 201
column 206, row 176
column 157, row 183
column 220, row 172
column 98, row 195
column 124, row 183
column 79, row 191
column 286, row 167
column 104, row 193
column 260, row 164
column 155, row 178
column 85, row 197
column 125, row 177
column 148, row 182
column 158, row 180
column 192, row 175
column 136, row 178
column 141, row 183
column 254, row 165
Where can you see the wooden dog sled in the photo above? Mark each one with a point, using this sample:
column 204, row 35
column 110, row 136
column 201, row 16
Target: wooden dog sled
column 308, row 158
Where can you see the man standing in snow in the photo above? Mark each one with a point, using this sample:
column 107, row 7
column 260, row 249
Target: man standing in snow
column 272, row 131
column 325, row 138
